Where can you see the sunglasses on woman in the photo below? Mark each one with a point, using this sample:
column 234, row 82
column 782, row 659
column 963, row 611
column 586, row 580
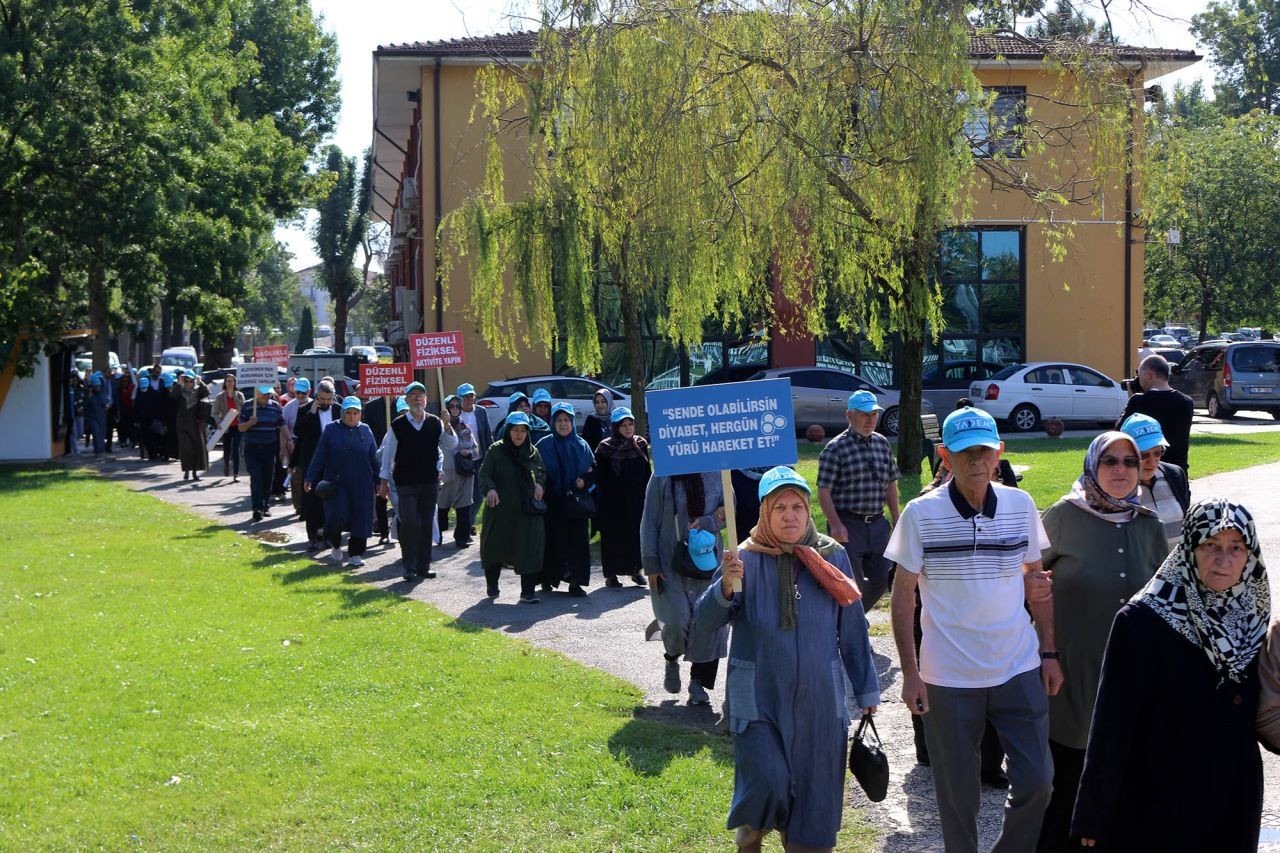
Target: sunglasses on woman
column 1117, row 461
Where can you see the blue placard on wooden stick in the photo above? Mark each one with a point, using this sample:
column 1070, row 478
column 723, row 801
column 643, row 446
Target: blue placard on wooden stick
column 721, row 427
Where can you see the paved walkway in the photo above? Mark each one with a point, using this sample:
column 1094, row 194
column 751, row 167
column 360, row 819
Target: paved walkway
column 605, row 630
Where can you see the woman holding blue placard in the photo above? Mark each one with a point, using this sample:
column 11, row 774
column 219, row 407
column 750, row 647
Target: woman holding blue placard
column 679, row 550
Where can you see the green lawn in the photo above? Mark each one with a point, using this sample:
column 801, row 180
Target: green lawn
column 166, row 683
column 1054, row 464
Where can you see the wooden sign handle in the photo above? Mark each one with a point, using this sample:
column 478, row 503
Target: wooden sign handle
column 730, row 518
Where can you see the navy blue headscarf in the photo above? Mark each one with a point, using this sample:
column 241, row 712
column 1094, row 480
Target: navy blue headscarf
column 567, row 457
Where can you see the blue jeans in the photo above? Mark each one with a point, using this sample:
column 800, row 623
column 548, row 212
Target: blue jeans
column 260, row 461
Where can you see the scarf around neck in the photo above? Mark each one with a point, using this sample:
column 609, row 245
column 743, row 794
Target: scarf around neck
column 1228, row 626
column 809, row 552
column 1088, row 494
column 616, row 450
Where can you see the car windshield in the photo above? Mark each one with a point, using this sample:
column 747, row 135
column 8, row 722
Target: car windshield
column 1256, row 359
column 177, row 360
column 1008, row 371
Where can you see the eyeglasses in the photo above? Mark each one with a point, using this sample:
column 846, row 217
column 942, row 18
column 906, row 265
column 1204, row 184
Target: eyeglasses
column 1154, row 453
column 1116, row 462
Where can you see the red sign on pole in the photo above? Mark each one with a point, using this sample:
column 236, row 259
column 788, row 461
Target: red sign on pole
column 436, row 349
column 277, row 354
column 384, row 380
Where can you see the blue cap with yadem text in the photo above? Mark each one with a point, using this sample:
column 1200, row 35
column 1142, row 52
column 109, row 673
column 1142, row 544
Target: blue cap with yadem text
column 969, row 427
column 465, row 388
column 303, row 384
column 265, row 389
column 414, row 386
column 567, row 408
column 516, row 398
column 702, row 549
column 517, row 419
column 1145, row 432
column 352, row 403
column 542, row 395
column 864, row 401
column 620, row 414
column 779, row 478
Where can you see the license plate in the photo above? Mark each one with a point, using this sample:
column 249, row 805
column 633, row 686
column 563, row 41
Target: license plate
column 1259, row 389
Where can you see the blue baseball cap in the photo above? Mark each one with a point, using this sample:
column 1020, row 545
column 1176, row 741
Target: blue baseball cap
column 303, row 384
column 465, row 388
column 144, row 382
column 402, row 405
column 352, row 403
column 517, row 419
column 620, row 414
column 702, row 549
column 567, row 408
column 516, row 398
column 414, row 386
column 969, row 427
column 166, row 379
column 1145, row 432
column 451, row 398
column 781, row 477
column 864, row 401
column 542, row 395
column 265, row 389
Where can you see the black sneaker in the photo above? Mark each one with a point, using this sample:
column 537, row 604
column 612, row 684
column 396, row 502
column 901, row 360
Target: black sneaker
column 531, row 598
column 267, row 512
column 639, row 580
column 428, row 574
column 492, row 592
column 257, row 516
column 612, row 583
column 577, row 591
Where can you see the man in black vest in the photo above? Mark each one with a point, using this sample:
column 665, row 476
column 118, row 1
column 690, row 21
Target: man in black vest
column 411, row 458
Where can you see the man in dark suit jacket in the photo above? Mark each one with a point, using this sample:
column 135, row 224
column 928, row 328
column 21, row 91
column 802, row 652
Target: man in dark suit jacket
column 375, row 415
column 312, row 420
column 478, row 421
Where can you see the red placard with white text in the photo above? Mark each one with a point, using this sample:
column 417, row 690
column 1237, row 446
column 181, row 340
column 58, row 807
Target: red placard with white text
column 384, row 380
column 436, row 349
column 278, row 354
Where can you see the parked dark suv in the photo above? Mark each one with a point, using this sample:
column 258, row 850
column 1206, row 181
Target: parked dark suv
column 1226, row 376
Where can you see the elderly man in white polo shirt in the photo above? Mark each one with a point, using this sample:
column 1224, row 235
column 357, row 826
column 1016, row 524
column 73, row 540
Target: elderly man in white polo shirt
column 969, row 547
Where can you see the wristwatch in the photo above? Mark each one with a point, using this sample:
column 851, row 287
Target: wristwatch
column 1048, row 656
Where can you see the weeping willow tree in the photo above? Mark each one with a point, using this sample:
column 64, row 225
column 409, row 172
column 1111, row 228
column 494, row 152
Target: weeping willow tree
column 701, row 157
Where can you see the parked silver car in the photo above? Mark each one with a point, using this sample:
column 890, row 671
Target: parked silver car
column 575, row 390
column 820, row 395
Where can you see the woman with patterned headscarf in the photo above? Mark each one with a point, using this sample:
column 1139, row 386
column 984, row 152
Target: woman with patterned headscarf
column 798, row 630
column 1172, row 762
column 1105, row 546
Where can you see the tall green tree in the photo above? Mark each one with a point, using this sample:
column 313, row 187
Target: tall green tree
column 1243, row 37
column 1218, row 185
column 1069, row 20
column 306, row 331
column 686, row 157
column 273, row 299
column 340, row 229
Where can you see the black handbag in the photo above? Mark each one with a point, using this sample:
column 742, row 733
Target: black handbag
column 534, row 506
column 579, row 505
column 326, row 489
column 867, row 761
column 465, row 465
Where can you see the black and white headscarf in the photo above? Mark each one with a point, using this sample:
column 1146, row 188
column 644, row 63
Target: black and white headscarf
column 1230, row 625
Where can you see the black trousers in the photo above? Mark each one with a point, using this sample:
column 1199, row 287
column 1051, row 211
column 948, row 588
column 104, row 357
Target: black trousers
column 381, row 525
column 313, row 515
column 703, row 673
column 1055, row 832
column 528, row 583
column 461, row 523
column 355, row 544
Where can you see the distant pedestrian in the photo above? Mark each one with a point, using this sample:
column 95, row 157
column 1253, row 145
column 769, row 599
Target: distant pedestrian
column 1165, row 489
column 596, row 426
column 168, row 408
column 538, row 428
column 1171, row 408
column 346, row 464
column 265, row 440
column 190, row 397
column 1172, row 761
column 78, row 402
column 513, row 534
column 541, row 403
column 312, row 420
column 301, row 400
column 798, row 632
column 481, row 432
column 410, row 458
column 376, row 417
column 857, row 477
column 456, row 485
column 230, row 399
column 146, row 407
column 570, row 469
column 679, row 512
column 622, row 477
column 95, row 417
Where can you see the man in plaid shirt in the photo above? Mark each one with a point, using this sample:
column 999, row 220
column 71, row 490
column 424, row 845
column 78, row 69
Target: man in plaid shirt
column 857, row 476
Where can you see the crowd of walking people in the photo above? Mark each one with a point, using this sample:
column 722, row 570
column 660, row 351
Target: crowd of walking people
column 1109, row 661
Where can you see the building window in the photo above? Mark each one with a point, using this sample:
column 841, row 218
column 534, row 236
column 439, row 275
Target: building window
column 983, row 281
column 999, row 128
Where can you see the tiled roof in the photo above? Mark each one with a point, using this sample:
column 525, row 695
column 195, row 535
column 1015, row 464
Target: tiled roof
column 522, row 45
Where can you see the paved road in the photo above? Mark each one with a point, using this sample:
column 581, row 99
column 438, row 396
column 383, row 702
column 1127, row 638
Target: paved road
column 605, row 630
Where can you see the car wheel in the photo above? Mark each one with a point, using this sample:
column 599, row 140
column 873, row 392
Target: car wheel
column 1214, row 408
column 889, row 422
column 1024, row 418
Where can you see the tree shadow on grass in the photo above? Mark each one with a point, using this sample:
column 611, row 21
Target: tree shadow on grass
column 649, row 747
column 17, row 479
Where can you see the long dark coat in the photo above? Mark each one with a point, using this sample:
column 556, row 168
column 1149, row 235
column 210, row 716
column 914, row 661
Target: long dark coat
column 510, row 536
column 620, row 505
column 1172, row 762
column 190, row 420
column 347, row 455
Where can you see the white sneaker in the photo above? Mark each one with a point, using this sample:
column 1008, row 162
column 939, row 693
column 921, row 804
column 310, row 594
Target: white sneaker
column 355, row 561
column 336, row 557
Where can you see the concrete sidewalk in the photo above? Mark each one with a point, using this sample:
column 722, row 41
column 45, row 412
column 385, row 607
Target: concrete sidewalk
column 605, row 630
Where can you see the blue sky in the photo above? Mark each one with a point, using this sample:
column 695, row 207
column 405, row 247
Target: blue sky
column 362, row 25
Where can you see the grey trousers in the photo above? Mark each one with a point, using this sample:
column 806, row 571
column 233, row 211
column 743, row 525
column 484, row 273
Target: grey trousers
column 866, row 554
column 415, row 515
column 1019, row 711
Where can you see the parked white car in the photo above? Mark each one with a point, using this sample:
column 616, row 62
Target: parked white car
column 1168, row 341
column 578, row 391
column 1025, row 394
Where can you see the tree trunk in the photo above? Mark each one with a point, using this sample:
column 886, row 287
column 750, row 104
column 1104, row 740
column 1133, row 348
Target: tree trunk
column 179, row 339
column 147, row 350
column 98, row 317
column 340, row 323
column 635, row 350
column 912, row 375
column 166, row 327
column 217, row 352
